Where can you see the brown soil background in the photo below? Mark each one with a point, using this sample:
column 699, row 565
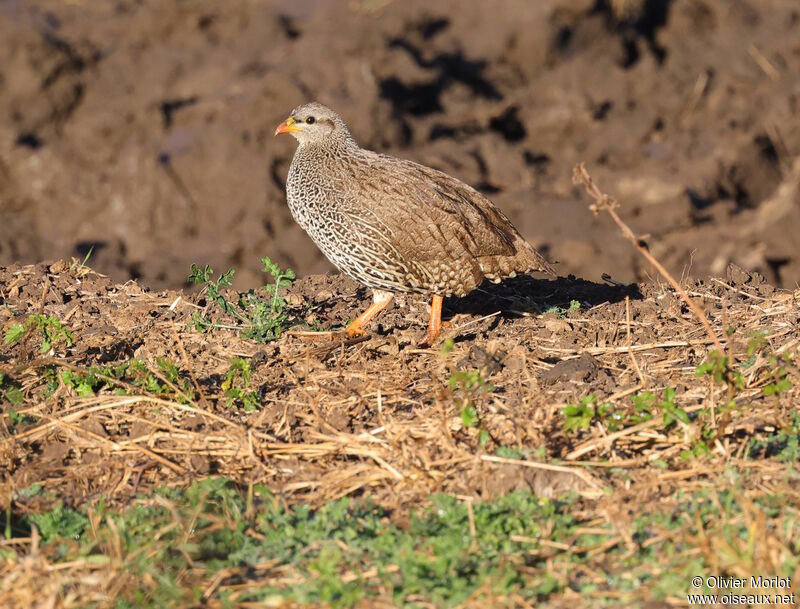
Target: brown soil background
column 144, row 129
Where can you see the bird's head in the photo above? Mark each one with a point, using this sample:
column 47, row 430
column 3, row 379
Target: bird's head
column 314, row 124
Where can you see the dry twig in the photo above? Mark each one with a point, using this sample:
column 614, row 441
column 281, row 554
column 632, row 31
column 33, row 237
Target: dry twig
column 603, row 202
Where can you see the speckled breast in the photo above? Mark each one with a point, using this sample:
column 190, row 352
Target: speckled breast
column 345, row 232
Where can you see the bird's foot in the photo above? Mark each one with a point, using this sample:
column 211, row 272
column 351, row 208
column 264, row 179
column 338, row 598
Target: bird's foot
column 427, row 340
column 355, row 329
column 432, row 334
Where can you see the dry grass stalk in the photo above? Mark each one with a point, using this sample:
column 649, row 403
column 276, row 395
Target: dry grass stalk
column 630, row 346
column 603, row 202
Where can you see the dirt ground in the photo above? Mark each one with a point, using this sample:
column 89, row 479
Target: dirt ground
column 376, row 414
column 142, row 130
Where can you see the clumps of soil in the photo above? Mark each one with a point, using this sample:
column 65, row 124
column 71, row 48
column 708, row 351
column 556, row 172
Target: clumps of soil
column 585, row 369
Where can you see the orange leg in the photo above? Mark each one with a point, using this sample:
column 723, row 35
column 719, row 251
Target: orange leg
column 380, row 300
column 435, row 325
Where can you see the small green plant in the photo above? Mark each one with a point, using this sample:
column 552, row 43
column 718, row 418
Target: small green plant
column 643, row 403
column 578, row 417
column 28, row 492
column 76, row 266
column 213, row 289
column 452, row 553
column 236, row 386
column 280, row 278
column 83, row 385
column 718, row 367
column 699, row 447
column 119, row 379
column 10, row 391
column 776, row 388
column 778, row 374
column 758, row 340
column 509, row 452
column 259, row 319
column 785, row 443
column 447, row 346
column 60, row 522
column 574, row 306
column 670, row 411
column 469, row 416
column 50, row 327
column 445, row 556
column 470, row 381
column 467, row 384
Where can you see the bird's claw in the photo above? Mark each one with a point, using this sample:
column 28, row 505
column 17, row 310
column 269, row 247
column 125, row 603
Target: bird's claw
column 428, row 339
column 354, row 329
column 432, row 334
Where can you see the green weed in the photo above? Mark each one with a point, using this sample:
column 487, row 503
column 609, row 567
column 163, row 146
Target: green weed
column 50, row 328
column 469, row 381
column 447, row 346
column 203, row 531
column 574, row 306
column 76, row 266
column 259, row 318
column 60, row 522
column 131, row 377
column 643, row 404
column 236, row 386
column 578, row 417
column 670, row 411
column 509, row 452
column 466, row 385
column 785, row 443
column 778, row 374
column 718, row 367
column 777, row 367
column 10, row 391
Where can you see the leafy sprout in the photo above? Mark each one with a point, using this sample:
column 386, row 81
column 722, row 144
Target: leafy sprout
column 259, row 318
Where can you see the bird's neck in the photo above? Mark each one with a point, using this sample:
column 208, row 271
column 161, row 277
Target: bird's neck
column 342, row 145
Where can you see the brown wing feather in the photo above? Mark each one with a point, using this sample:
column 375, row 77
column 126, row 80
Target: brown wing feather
column 448, row 234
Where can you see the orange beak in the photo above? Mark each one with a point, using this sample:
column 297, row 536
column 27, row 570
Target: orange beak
column 287, row 126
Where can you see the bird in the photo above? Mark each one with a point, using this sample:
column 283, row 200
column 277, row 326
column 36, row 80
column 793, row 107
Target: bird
column 395, row 225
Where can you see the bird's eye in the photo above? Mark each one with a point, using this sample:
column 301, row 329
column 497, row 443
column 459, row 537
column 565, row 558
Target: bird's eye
column 310, row 120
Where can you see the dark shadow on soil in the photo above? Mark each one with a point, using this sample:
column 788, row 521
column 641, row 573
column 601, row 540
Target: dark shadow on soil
column 421, row 98
column 634, row 25
column 529, row 295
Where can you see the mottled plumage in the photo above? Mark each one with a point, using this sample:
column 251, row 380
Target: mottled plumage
column 392, row 224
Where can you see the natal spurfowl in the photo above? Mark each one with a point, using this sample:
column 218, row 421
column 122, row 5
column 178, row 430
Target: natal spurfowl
column 395, row 225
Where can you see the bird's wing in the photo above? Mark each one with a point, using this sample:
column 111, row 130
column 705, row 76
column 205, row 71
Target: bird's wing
column 431, row 208
column 433, row 216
